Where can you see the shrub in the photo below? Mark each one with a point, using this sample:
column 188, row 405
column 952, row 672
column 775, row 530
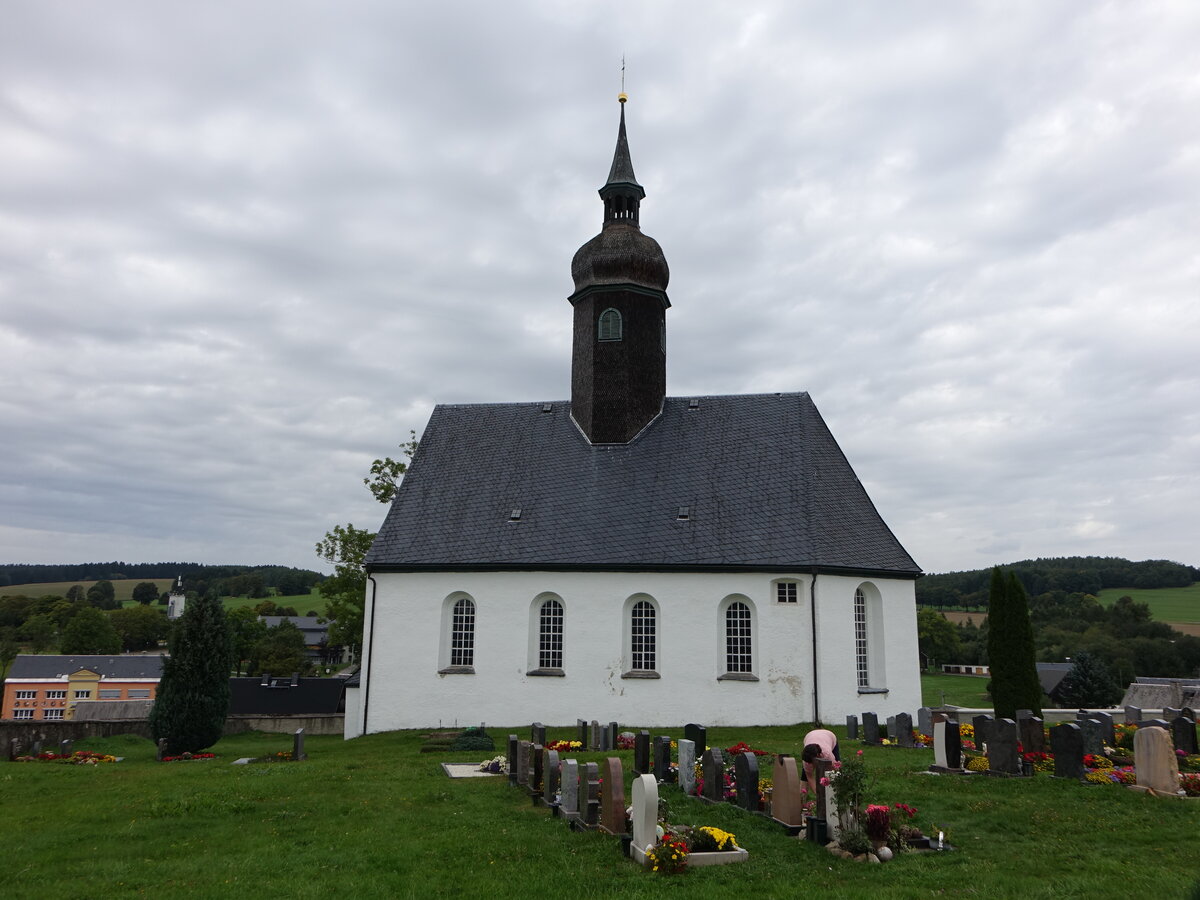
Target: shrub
column 473, row 739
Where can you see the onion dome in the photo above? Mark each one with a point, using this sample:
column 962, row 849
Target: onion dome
column 620, row 253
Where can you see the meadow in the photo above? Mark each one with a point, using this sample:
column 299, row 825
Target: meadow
column 123, row 591
column 1166, row 604
column 958, row 690
column 374, row 817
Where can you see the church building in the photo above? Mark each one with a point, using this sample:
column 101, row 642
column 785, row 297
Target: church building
column 628, row 556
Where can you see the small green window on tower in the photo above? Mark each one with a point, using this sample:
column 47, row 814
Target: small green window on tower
column 610, row 326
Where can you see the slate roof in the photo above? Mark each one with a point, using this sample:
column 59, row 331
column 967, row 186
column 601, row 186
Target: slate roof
column 248, row 696
column 765, row 483
column 35, row 666
column 314, row 631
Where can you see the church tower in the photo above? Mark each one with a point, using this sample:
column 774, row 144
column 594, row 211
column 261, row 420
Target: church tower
column 619, row 352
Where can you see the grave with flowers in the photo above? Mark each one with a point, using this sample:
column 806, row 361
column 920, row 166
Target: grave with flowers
column 670, row 849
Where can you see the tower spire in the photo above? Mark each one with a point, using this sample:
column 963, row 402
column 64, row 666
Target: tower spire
column 622, row 195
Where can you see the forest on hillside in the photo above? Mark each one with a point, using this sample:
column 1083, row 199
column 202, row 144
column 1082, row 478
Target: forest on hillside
column 198, row 576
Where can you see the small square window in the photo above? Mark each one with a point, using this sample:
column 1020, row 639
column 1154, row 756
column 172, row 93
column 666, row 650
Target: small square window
column 785, row 592
column 83, row 695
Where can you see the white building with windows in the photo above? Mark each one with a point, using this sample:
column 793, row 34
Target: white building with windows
column 630, row 556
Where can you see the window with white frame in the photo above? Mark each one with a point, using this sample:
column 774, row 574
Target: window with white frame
column 83, row 695
column 26, row 695
column 550, row 635
column 861, row 648
column 462, row 633
column 56, row 695
column 786, row 592
column 22, row 713
column 738, row 655
column 52, row 713
column 642, row 637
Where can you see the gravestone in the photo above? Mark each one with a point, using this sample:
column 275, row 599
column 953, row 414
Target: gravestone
column 983, row 730
column 613, row 732
column 612, row 806
column 787, row 801
column 1002, row 748
column 870, row 723
column 661, row 761
column 604, row 743
column 298, row 753
column 713, row 764
column 523, row 748
column 687, row 766
column 1066, row 742
column 581, row 733
column 594, row 743
column 1183, row 734
column 1133, row 715
column 551, row 775
column 1189, row 712
column 36, row 749
column 824, row 798
column 1108, row 731
column 513, row 765
column 745, row 775
column 1093, row 736
column 891, row 727
column 537, row 734
column 947, row 745
column 1171, row 712
column 645, row 815
column 14, row 749
column 852, row 728
column 589, row 795
column 1154, row 762
column 1032, row 734
column 698, row 735
column 904, row 730
column 160, row 750
column 64, row 747
column 536, row 772
column 641, row 753
column 570, row 790
column 1024, row 714
column 925, row 720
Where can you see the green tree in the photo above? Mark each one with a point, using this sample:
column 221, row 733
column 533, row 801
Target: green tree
column 146, row 593
column 193, row 695
column 246, row 630
column 937, row 637
column 282, row 651
column 140, row 627
column 8, row 652
column 1089, row 683
column 90, row 631
column 39, row 631
column 386, row 473
column 76, row 593
column 102, row 595
column 1011, row 654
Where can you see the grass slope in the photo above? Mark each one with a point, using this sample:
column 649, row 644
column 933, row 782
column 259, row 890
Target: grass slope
column 959, row 690
column 1166, row 604
column 375, row 818
column 122, row 590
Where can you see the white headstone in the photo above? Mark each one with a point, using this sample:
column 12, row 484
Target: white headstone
column 645, row 813
column 940, row 758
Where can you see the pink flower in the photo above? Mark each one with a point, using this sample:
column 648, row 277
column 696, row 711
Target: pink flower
column 836, row 765
column 824, row 782
column 860, row 753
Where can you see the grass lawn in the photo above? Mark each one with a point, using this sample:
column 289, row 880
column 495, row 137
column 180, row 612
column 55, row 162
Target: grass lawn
column 375, row 818
column 1166, row 604
column 122, row 590
column 959, row 690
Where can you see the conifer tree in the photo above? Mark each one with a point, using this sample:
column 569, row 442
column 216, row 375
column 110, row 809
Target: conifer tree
column 1011, row 655
column 193, row 696
column 1089, row 683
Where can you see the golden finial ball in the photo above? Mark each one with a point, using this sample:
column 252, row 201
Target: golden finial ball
column 622, row 97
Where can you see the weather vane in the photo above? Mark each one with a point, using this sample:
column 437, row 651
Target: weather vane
column 622, row 97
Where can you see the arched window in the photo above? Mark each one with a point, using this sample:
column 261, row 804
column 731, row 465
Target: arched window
column 462, row 634
column 610, row 325
column 550, row 635
column 861, row 648
column 738, row 656
column 642, row 637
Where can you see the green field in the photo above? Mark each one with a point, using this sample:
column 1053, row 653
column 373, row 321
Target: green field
column 1166, row 604
column 958, row 690
column 374, row 817
column 123, row 591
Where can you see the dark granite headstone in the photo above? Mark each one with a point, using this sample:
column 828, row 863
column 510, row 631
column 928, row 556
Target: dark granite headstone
column 551, row 774
column 1002, row 748
column 1024, row 714
column 64, row 747
column 513, row 765
column 698, row 735
column 891, row 727
column 1189, row 712
column 298, row 753
column 589, row 795
column 536, row 773
column 537, row 734
column 949, row 753
column 1169, row 713
column 713, row 763
column 852, row 728
column 160, row 750
column 1107, row 729
column 593, row 743
column 1093, row 736
column 641, row 753
column 1066, row 741
column 1183, row 733
column 581, row 733
column 661, row 759
column 613, row 731
column 904, row 730
column 1133, row 714
column 870, row 723
column 925, row 720
column 745, row 775
column 1032, row 734
column 604, row 744
column 523, row 766
column 982, row 726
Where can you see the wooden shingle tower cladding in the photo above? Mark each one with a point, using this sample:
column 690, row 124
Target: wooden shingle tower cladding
column 619, row 358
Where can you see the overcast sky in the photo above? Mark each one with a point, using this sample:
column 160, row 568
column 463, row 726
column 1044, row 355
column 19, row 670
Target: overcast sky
column 245, row 247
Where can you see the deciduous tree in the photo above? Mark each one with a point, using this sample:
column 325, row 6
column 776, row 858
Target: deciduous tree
column 145, row 593
column 90, row 631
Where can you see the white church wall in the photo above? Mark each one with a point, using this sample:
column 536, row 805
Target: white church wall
column 409, row 644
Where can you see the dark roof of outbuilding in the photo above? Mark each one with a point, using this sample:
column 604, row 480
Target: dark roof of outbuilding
column 35, row 666
column 764, row 483
column 249, row 696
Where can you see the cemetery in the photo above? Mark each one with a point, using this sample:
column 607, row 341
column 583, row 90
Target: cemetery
column 378, row 814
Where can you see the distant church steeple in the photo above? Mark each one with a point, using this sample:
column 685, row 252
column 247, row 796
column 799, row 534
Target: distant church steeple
column 619, row 358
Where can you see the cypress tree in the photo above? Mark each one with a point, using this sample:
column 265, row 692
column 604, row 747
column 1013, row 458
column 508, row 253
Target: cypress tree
column 1011, row 654
column 193, row 696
